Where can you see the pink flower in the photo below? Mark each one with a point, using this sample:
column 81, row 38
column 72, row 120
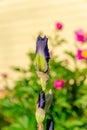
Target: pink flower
column 59, row 83
column 59, row 25
column 51, row 53
column 4, row 75
column 81, row 54
column 81, row 36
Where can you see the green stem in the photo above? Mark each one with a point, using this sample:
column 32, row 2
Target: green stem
column 40, row 126
column 43, row 84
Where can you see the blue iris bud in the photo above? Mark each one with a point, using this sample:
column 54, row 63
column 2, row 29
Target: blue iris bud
column 50, row 124
column 42, row 54
column 41, row 100
column 40, row 111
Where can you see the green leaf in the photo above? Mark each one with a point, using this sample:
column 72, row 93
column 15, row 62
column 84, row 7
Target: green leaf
column 71, row 54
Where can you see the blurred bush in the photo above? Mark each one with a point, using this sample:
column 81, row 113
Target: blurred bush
column 69, row 107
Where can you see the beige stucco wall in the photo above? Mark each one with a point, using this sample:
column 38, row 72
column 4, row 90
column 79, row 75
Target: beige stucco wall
column 21, row 20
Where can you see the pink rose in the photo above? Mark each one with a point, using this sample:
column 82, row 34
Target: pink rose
column 4, row 75
column 81, row 36
column 59, row 83
column 59, row 26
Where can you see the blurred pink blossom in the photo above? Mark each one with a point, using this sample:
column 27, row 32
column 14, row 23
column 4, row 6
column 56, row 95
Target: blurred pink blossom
column 81, row 54
column 4, row 75
column 59, row 83
column 51, row 53
column 3, row 93
column 59, row 25
column 81, row 36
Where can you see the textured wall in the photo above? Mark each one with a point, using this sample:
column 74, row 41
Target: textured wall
column 21, row 20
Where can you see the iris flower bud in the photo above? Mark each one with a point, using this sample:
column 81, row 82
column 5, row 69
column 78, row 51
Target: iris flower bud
column 50, row 124
column 42, row 54
column 40, row 112
column 41, row 100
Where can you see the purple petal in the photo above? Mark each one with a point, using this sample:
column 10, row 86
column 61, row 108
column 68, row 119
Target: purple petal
column 42, row 46
column 50, row 124
column 41, row 100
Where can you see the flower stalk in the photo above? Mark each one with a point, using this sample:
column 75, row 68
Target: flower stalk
column 42, row 68
column 40, row 126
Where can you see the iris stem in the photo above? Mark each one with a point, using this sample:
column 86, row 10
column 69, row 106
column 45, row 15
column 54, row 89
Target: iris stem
column 43, row 84
column 40, row 126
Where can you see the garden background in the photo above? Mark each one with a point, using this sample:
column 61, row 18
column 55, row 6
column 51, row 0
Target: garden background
column 21, row 20
column 64, row 23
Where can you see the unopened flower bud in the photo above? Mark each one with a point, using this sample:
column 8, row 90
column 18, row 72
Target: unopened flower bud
column 40, row 112
column 42, row 54
column 50, row 124
column 41, row 100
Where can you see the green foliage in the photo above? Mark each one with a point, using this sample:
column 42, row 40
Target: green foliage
column 69, row 107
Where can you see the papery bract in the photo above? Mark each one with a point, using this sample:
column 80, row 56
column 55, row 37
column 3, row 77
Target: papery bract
column 59, row 83
column 42, row 54
column 49, row 99
column 40, row 115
